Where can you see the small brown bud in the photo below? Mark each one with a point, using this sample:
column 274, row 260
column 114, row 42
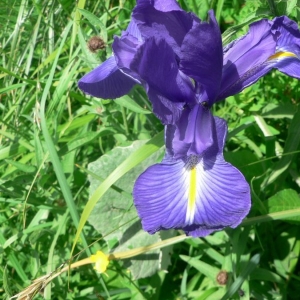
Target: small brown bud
column 222, row 277
column 95, row 43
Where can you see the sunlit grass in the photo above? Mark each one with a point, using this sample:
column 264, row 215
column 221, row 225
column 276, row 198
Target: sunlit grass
column 50, row 132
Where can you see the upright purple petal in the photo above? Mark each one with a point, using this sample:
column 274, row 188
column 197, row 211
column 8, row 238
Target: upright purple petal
column 191, row 134
column 166, row 5
column 268, row 45
column 125, row 50
column 106, row 81
column 202, row 56
column 165, row 110
column 133, row 30
column 156, row 64
column 244, row 59
column 289, row 38
column 198, row 195
column 287, row 56
column 171, row 26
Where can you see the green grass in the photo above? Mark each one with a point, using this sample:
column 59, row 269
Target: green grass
column 50, row 132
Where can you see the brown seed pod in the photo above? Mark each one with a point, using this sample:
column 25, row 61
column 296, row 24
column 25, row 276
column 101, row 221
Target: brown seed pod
column 222, row 277
column 95, row 43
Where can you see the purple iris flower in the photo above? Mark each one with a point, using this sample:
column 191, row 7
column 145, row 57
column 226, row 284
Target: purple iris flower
column 198, row 194
column 181, row 63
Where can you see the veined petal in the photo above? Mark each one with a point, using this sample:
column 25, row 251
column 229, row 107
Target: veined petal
column 125, row 50
column 201, row 56
column 287, row 56
column 156, row 64
column 198, row 195
column 106, row 81
column 166, row 5
column 167, row 111
column 268, row 45
column 133, row 30
column 245, row 59
column 192, row 134
column 171, row 26
column 289, row 38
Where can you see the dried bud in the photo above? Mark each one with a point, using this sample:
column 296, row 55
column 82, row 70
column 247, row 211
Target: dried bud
column 95, row 43
column 222, row 277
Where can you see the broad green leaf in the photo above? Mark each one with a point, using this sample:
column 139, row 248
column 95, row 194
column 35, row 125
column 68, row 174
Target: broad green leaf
column 284, row 200
column 115, row 217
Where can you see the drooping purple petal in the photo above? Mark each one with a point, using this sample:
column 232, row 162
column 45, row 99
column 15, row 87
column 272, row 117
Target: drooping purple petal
column 191, row 134
column 171, row 26
column 166, row 5
column 156, row 64
column 287, row 56
column 106, row 81
column 202, row 56
column 289, row 38
column 198, row 195
column 245, row 59
column 125, row 50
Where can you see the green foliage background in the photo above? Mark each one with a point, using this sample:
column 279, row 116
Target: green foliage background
column 50, row 132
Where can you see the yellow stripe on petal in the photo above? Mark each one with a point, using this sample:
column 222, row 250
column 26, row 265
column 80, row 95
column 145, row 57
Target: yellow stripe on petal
column 192, row 197
column 280, row 55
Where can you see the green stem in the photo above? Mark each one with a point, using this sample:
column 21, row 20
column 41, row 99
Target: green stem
column 272, row 217
column 125, row 121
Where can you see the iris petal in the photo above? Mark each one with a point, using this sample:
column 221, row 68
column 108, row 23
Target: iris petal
column 245, row 59
column 202, row 55
column 287, row 56
column 125, row 50
column 268, row 45
column 191, row 134
column 106, row 81
column 171, row 26
column 289, row 38
column 199, row 195
column 133, row 30
column 156, row 64
column 166, row 5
